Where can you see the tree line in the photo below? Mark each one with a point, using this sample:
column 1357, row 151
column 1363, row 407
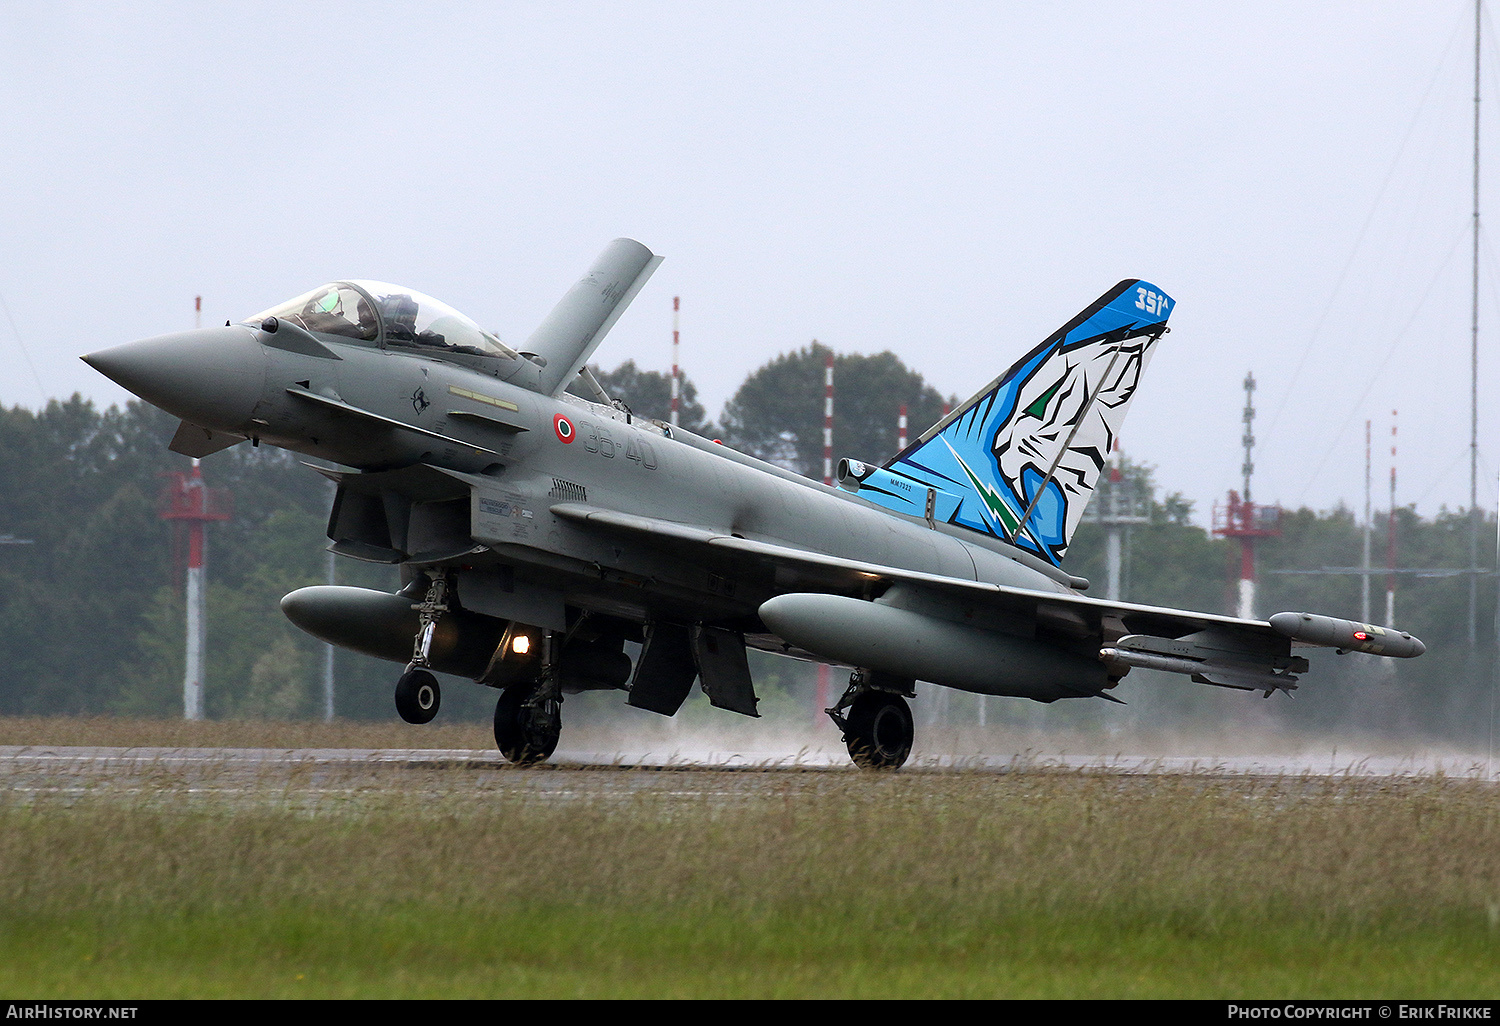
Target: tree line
column 91, row 604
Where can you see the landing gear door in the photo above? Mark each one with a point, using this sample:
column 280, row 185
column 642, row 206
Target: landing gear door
column 724, row 669
column 665, row 671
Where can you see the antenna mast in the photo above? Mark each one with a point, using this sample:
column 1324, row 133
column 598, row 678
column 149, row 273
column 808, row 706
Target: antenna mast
column 1241, row 518
column 1364, row 580
column 1474, row 366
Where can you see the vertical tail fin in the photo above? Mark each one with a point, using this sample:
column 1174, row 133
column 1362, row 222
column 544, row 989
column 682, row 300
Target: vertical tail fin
column 581, row 319
column 1020, row 459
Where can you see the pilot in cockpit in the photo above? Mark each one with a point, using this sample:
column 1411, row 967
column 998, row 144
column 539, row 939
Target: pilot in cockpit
column 400, row 315
column 357, row 310
column 326, row 312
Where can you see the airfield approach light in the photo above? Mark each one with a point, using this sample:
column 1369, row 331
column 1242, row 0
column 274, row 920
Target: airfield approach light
column 186, row 498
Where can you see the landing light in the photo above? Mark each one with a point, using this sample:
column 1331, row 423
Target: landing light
column 520, row 644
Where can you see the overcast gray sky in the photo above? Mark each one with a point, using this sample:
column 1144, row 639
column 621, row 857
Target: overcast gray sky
column 947, row 181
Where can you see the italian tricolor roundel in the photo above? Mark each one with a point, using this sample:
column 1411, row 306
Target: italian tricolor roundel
column 564, row 428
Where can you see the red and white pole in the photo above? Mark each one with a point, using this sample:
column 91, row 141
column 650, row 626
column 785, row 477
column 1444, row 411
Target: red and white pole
column 1246, row 607
column 676, row 374
column 828, row 420
column 192, row 680
column 1390, row 536
column 823, row 702
column 1364, row 579
column 1113, row 549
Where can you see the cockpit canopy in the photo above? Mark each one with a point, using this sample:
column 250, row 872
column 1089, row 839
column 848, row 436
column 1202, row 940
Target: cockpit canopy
column 386, row 315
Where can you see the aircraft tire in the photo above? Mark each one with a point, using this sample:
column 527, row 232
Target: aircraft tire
column 418, row 696
column 880, row 731
column 524, row 736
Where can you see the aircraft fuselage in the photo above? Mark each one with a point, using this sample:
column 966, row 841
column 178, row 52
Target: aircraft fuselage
column 538, row 533
column 519, row 454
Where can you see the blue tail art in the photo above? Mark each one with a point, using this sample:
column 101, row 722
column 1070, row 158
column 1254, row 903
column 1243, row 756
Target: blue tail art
column 1020, row 459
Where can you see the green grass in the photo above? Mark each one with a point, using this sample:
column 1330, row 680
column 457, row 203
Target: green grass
column 567, row 951
column 392, row 882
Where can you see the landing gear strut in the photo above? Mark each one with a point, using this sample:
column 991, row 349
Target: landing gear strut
column 878, row 728
column 417, row 693
column 528, row 716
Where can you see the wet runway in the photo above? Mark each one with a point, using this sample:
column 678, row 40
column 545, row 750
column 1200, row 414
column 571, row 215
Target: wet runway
column 52, row 768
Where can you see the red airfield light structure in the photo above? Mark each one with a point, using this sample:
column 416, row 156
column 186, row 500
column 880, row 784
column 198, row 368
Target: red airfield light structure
column 187, row 500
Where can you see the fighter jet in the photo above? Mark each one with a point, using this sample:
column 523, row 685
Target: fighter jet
column 539, row 534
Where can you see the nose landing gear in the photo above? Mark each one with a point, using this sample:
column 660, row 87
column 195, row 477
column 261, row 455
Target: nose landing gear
column 418, row 696
column 417, row 693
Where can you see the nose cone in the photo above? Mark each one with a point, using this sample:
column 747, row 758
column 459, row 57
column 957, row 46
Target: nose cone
column 212, row 377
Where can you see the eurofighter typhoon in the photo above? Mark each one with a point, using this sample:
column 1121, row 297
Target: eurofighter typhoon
column 537, row 533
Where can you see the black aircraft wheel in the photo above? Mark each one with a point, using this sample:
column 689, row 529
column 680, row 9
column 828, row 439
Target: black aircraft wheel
column 526, row 735
column 880, row 731
column 418, row 696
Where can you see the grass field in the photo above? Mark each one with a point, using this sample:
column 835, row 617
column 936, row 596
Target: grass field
column 403, row 882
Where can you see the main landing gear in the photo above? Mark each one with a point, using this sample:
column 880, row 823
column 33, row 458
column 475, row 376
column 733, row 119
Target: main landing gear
column 528, row 721
column 878, row 727
column 528, row 715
